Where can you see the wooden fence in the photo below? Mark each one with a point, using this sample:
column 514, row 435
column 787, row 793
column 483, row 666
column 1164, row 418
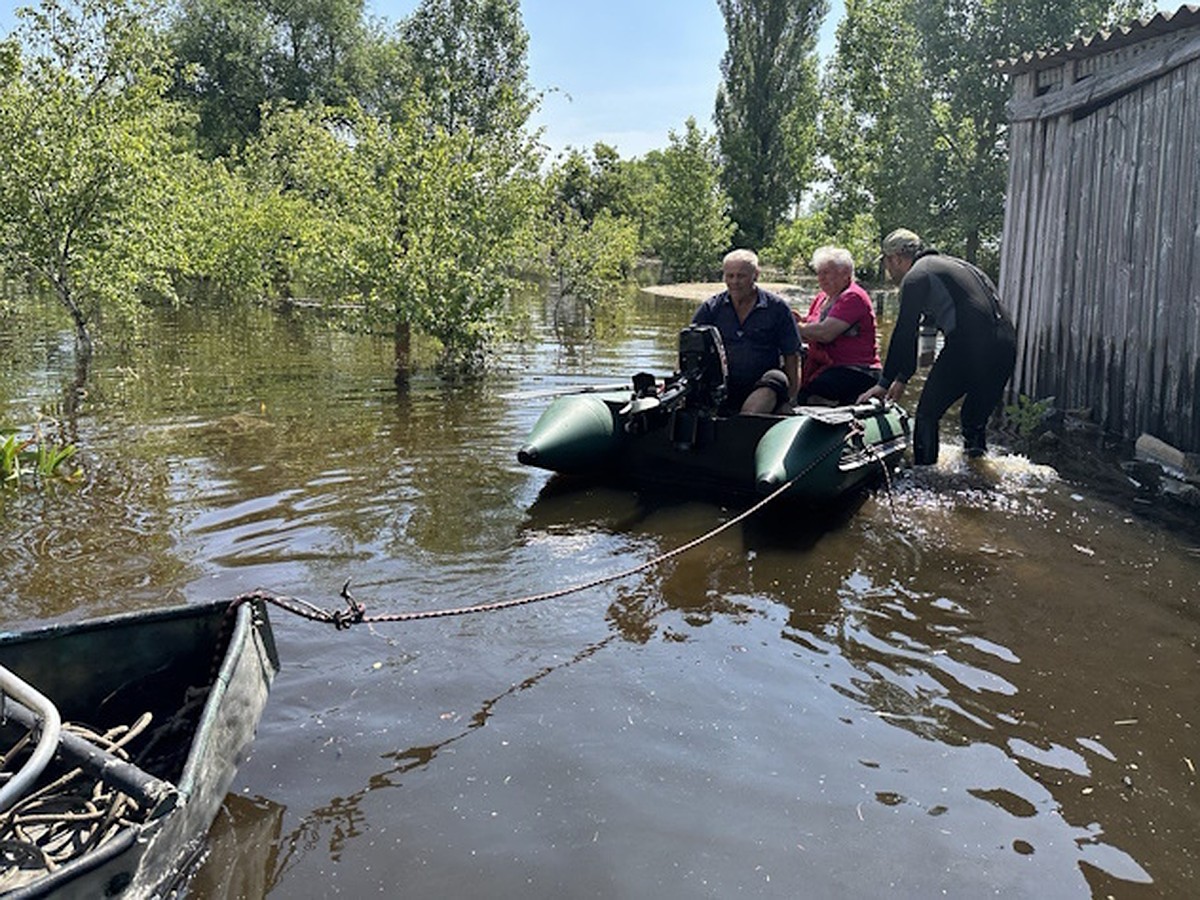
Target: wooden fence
column 1100, row 258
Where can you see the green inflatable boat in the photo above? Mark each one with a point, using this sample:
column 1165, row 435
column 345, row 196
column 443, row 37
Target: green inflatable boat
column 670, row 435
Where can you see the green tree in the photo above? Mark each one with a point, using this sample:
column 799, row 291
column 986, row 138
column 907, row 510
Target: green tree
column 914, row 123
column 873, row 134
column 602, row 181
column 690, row 223
column 424, row 230
column 234, row 56
column 248, row 237
column 796, row 240
column 572, row 185
column 469, row 60
column 766, row 109
column 592, row 260
column 87, row 163
column 592, row 245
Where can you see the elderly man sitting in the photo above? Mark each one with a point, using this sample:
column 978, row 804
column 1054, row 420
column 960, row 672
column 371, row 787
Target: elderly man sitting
column 762, row 344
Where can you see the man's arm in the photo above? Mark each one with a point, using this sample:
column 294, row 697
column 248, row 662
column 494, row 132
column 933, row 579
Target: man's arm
column 901, row 360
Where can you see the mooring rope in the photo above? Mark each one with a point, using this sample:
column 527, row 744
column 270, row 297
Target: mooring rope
column 355, row 612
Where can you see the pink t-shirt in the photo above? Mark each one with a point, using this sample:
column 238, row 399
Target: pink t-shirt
column 857, row 345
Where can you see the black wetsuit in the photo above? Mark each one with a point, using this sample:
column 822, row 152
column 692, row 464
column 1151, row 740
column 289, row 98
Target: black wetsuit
column 977, row 357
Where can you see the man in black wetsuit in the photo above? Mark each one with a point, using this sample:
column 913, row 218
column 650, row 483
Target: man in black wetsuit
column 980, row 346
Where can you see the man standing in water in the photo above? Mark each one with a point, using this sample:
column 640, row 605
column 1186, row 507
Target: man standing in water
column 762, row 344
column 980, row 346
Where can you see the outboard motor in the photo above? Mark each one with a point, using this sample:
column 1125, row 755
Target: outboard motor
column 702, row 364
column 701, row 380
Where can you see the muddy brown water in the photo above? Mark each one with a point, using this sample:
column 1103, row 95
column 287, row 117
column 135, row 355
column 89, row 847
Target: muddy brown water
column 984, row 681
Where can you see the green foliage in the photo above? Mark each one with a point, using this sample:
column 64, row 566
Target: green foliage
column 86, row 164
column 10, row 457
column 591, row 262
column 766, row 109
column 689, row 223
column 601, row 181
column 913, row 122
column 592, row 244
column 421, row 228
column 235, row 56
column 1027, row 417
column 420, row 212
column 466, row 227
column 469, row 62
column 240, row 237
column 796, row 240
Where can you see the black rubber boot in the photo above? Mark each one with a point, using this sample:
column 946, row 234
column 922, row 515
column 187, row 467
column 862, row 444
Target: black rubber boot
column 975, row 442
column 925, row 442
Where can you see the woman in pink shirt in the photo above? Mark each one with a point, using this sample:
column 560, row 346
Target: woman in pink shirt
column 843, row 350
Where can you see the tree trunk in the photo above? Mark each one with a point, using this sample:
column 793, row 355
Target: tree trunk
column 403, row 338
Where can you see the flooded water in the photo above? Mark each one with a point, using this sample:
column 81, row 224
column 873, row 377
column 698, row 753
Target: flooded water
column 985, row 681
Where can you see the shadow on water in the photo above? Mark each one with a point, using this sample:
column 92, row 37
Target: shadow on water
column 572, row 502
column 341, row 819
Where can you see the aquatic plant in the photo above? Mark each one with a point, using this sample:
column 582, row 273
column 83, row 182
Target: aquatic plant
column 1027, row 417
column 10, row 457
column 35, row 457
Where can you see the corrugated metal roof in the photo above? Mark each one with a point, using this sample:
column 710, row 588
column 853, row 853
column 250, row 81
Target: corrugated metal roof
column 1161, row 23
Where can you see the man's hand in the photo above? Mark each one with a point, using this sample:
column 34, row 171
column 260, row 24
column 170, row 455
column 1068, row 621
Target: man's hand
column 892, row 392
column 871, row 393
column 896, row 390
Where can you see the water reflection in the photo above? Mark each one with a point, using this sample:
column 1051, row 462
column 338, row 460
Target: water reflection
column 242, row 851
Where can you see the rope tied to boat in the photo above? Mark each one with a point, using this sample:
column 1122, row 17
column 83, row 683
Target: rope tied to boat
column 355, row 612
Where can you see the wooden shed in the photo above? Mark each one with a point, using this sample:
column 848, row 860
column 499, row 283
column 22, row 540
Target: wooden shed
column 1100, row 260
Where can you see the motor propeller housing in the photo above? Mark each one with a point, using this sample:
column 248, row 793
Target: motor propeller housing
column 703, row 367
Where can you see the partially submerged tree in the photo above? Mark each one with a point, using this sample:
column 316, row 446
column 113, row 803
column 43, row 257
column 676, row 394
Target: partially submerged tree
column 86, row 163
column 590, row 245
column 420, row 230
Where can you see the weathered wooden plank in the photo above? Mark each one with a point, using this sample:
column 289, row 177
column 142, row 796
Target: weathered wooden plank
column 1119, row 135
column 1087, row 187
column 1011, row 243
column 1048, row 346
column 1054, row 234
column 1161, row 239
column 1185, row 292
column 1145, row 180
column 1124, row 130
column 1013, row 259
column 1163, row 416
column 1015, row 262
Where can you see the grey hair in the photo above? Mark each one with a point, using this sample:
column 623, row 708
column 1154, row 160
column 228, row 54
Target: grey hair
column 747, row 257
column 840, row 257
